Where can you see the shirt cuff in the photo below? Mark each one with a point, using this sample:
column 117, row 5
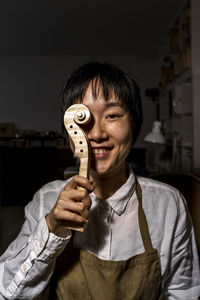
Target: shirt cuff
column 47, row 246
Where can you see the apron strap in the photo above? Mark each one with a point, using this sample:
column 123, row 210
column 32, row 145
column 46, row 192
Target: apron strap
column 144, row 230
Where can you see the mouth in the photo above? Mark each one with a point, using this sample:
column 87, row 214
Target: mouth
column 100, row 152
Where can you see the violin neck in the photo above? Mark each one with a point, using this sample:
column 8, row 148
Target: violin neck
column 84, row 167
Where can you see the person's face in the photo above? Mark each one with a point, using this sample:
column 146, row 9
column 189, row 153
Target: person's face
column 109, row 133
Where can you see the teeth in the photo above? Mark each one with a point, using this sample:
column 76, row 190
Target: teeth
column 98, row 151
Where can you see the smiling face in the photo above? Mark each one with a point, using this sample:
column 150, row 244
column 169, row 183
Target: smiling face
column 109, row 133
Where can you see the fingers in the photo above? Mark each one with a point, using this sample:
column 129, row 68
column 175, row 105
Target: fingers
column 72, row 206
column 65, row 214
column 69, row 212
column 75, row 201
column 75, row 196
column 79, row 181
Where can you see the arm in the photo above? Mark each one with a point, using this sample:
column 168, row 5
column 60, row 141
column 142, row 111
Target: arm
column 28, row 263
column 30, row 256
column 183, row 277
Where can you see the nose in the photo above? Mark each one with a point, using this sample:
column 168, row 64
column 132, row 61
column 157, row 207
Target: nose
column 97, row 131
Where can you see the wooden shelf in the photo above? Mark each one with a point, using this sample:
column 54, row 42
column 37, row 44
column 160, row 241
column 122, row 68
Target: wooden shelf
column 178, row 100
column 186, row 76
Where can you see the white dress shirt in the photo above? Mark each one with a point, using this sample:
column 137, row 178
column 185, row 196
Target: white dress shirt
column 112, row 234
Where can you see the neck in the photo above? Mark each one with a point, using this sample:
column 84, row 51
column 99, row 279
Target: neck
column 108, row 184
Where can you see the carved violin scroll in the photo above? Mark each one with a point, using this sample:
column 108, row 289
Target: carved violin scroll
column 79, row 114
column 75, row 115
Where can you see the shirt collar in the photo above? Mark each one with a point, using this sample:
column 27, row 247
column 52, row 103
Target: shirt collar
column 120, row 198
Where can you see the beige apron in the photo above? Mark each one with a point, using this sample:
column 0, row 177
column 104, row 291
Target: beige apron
column 81, row 275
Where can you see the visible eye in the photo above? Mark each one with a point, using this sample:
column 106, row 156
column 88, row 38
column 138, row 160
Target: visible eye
column 113, row 116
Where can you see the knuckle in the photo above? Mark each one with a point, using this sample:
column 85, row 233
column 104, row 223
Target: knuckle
column 83, row 193
column 76, row 178
column 78, row 218
column 81, row 206
column 56, row 213
column 61, row 195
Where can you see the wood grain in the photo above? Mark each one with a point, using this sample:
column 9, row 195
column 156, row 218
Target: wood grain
column 75, row 115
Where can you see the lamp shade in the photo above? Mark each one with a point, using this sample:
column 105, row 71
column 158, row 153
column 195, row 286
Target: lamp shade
column 155, row 136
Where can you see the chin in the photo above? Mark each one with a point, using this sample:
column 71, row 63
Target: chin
column 99, row 171
column 107, row 169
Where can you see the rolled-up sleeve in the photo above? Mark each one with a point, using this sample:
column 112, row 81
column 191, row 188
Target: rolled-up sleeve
column 28, row 263
column 183, row 279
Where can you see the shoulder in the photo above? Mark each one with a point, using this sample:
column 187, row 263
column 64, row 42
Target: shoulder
column 161, row 195
column 165, row 208
column 149, row 183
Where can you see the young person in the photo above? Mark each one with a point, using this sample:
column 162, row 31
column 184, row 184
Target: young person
column 138, row 240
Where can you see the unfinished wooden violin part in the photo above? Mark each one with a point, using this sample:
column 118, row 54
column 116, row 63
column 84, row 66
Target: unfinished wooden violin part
column 75, row 115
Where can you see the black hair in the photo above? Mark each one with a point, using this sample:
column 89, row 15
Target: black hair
column 108, row 78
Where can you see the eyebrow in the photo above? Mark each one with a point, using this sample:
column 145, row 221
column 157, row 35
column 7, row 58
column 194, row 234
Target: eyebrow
column 114, row 103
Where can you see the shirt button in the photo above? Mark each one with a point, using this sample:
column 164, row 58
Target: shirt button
column 53, row 254
column 40, row 245
column 25, row 267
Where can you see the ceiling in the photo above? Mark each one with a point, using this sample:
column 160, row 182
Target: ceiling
column 84, row 27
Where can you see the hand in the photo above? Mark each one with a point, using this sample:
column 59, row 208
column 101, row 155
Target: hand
column 72, row 206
